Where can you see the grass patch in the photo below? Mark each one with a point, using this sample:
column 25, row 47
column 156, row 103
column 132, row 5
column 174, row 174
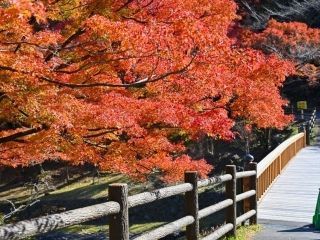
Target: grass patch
column 245, row 233
column 145, row 227
column 87, row 229
column 84, row 188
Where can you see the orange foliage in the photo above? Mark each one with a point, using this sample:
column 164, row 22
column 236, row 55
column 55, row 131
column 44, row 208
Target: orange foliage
column 293, row 40
column 111, row 83
column 284, row 34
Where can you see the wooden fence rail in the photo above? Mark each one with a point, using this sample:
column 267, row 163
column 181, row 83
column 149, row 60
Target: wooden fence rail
column 120, row 203
column 273, row 164
column 256, row 181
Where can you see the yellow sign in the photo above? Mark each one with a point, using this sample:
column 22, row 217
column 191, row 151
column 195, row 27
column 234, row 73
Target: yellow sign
column 302, row 105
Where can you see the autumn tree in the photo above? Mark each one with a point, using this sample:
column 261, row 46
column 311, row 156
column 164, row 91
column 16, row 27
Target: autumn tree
column 125, row 85
column 287, row 28
column 297, row 42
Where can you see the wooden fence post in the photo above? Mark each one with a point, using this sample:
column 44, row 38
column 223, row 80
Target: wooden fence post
column 302, row 129
column 119, row 223
column 192, row 205
column 231, row 193
column 240, row 189
column 308, row 132
column 251, row 184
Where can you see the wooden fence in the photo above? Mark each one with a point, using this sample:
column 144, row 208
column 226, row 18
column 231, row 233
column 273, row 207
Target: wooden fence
column 256, row 181
column 272, row 165
column 120, row 203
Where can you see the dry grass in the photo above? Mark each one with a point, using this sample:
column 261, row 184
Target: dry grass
column 245, row 233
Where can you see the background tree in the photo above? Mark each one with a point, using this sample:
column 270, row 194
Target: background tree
column 257, row 13
column 290, row 30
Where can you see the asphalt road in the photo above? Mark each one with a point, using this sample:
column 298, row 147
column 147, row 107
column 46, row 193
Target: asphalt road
column 282, row 230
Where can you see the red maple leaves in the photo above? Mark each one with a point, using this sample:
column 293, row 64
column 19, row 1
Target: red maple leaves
column 124, row 84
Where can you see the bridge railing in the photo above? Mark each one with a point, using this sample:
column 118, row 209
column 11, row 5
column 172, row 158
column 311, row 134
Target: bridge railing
column 120, row 203
column 272, row 165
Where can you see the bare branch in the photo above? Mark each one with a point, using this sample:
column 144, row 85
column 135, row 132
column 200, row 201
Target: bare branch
column 297, row 10
column 21, row 208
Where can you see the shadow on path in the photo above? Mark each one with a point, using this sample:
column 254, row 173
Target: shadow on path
column 305, row 228
column 283, row 230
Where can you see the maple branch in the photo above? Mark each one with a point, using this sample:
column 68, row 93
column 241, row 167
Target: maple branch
column 91, row 64
column 212, row 98
column 95, row 144
column 56, row 1
column 100, row 133
column 85, row 57
column 6, row 68
column 159, row 126
column 4, row 95
column 135, row 84
column 79, row 32
column 140, row 165
column 96, row 129
column 124, row 5
column 15, row 136
column 135, row 19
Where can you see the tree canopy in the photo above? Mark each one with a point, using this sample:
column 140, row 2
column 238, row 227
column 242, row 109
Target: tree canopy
column 125, row 85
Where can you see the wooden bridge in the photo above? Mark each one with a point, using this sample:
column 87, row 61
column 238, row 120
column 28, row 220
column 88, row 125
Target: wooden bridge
column 294, row 193
column 283, row 186
column 288, row 204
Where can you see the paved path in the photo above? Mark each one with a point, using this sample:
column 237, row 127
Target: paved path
column 282, row 230
column 287, row 209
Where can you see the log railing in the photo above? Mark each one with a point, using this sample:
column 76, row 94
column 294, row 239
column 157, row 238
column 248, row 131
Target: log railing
column 120, row 203
column 256, row 182
column 272, row 165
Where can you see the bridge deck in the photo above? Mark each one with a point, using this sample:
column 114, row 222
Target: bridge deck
column 294, row 194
